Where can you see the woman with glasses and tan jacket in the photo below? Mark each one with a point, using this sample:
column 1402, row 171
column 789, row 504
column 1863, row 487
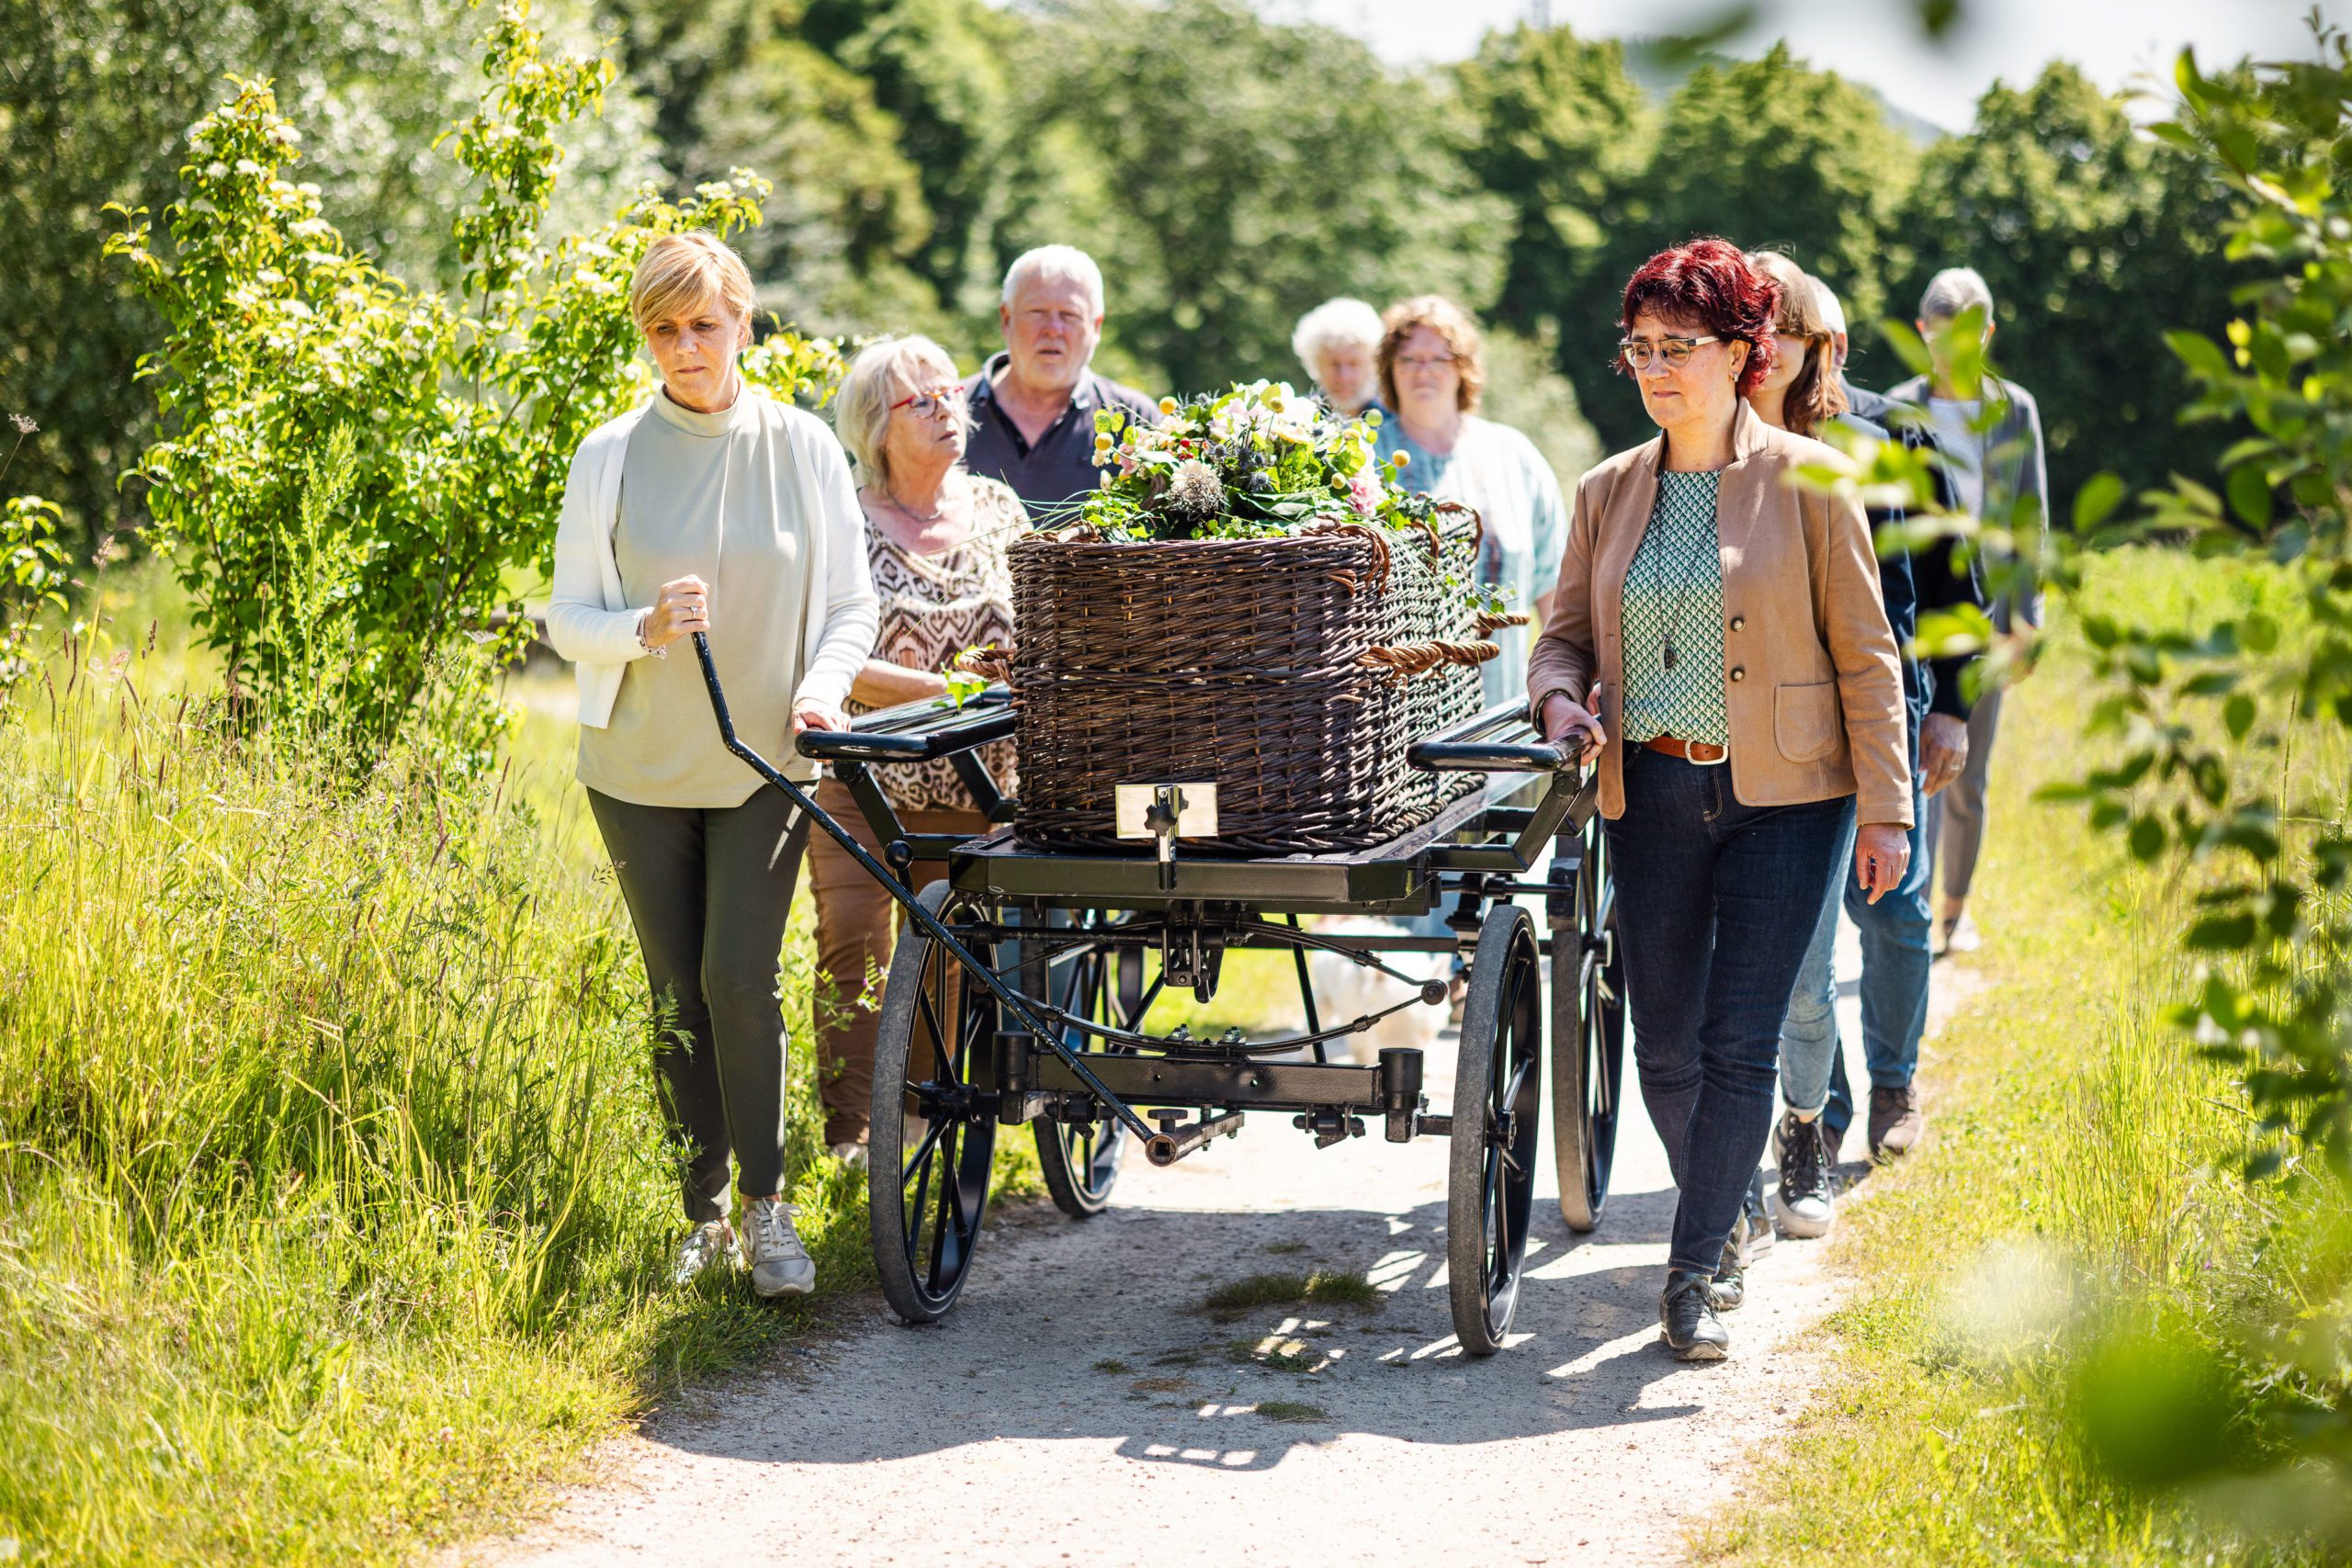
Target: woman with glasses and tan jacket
column 1717, row 638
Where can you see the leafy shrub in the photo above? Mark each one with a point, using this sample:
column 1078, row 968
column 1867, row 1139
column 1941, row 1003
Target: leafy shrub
column 462, row 410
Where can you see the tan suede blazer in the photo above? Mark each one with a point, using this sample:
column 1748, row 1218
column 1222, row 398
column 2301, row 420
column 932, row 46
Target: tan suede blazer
column 1811, row 677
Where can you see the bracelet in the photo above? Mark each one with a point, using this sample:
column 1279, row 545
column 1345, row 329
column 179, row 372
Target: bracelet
column 650, row 651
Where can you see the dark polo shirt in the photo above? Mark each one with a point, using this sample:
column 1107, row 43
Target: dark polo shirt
column 1052, row 477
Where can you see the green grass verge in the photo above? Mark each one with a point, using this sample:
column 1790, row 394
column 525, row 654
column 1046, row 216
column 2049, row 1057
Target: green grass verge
column 2081, row 1164
column 335, row 1202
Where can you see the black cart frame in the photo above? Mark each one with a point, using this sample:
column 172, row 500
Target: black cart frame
column 1017, row 994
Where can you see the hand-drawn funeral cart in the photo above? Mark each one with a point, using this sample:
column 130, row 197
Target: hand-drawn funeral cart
column 1218, row 737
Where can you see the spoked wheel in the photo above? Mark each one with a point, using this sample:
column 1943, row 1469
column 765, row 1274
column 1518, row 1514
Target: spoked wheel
column 927, row 1175
column 1080, row 1160
column 1588, row 1038
column 1498, row 1093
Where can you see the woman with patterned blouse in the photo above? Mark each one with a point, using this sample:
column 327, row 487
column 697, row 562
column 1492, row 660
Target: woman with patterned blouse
column 1719, row 638
column 936, row 539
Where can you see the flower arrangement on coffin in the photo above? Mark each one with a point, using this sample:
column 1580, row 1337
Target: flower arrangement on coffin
column 1254, row 461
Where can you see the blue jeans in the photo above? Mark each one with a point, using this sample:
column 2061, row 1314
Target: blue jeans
column 1894, row 990
column 1706, row 889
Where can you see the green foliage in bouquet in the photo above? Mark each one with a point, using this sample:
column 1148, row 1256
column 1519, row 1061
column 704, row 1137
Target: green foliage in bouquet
column 1249, row 463
column 464, row 409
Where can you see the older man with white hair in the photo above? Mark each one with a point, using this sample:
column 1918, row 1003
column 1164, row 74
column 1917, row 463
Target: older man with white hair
column 1338, row 343
column 1032, row 406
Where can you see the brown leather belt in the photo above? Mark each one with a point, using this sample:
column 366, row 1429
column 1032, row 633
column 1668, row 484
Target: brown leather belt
column 1705, row 753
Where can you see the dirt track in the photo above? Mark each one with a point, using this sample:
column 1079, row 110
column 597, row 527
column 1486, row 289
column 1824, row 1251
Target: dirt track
column 1080, row 1406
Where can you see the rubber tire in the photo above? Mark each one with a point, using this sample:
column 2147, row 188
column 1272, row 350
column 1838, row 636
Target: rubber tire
column 1588, row 1044
column 922, row 1300
column 1083, row 1195
column 1506, row 988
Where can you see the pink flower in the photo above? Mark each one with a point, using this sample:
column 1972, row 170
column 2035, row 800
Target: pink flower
column 1366, row 492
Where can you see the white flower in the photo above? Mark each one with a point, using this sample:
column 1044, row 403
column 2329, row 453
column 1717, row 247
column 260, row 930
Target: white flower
column 216, row 170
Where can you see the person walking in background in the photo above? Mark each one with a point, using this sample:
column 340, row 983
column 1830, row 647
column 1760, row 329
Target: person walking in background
column 1339, row 342
column 1032, row 406
column 1991, row 449
column 1719, row 639
column 935, row 541
column 1432, row 367
column 1802, row 393
column 710, row 508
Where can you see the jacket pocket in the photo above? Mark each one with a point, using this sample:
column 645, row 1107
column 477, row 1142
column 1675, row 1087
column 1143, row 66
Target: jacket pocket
column 1805, row 722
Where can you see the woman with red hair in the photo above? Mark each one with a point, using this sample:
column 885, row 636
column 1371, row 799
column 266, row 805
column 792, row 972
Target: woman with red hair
column 1718, row 640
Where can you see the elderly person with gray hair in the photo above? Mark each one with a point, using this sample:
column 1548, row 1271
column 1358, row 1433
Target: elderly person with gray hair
column 1338, row 343
column 1990, row 436
column 935, row 537
column 1032, row 406
column 710, row 507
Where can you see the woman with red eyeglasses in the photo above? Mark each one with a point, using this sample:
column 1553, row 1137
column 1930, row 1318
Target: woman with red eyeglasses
column 1719, row 640
column 935, row 536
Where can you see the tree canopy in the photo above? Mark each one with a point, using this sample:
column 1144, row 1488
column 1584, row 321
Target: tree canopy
column 1228, row 170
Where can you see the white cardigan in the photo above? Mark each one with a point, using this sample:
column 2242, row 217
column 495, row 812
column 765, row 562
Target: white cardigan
column 591, row 622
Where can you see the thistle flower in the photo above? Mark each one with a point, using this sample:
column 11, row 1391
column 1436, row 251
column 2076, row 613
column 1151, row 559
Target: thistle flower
column 1194, row 493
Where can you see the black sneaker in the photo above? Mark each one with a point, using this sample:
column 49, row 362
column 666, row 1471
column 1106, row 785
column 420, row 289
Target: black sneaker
column 1760, row 1234
column 1729, row 1286
column 1687, row 1320
column 1802, row 1206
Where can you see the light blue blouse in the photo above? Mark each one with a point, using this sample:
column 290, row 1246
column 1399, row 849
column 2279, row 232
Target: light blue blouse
column 1498, row 473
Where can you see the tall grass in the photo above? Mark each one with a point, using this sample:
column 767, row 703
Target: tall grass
column 2083, row 1183
column 334, row 1204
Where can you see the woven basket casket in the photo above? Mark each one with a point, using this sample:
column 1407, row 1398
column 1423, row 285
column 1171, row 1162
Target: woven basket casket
column 1292, row 673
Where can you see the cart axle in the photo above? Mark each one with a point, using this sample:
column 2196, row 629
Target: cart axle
column 1169, row 1144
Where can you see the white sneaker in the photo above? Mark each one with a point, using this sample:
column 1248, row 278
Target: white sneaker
column 850, row 1154
column 1963, row 936
column 780, row 1265
column 713, row 1241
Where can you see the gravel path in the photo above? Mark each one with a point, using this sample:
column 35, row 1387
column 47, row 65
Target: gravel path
column 1080, row 1406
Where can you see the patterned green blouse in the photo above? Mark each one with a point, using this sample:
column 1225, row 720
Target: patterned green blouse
column 1674, row 619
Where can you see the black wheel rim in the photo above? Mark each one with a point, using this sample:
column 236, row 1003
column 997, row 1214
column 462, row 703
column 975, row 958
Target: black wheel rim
column 1602, row 984
column 944, row 1184
column 1513, row 1098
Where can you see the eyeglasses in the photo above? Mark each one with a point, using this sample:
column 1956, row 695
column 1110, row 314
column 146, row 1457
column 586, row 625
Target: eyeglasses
column 1638, row 352
column 931, row 401
column 1423, row 361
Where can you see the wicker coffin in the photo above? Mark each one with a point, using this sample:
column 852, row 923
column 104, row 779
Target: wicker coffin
column 1292, row 673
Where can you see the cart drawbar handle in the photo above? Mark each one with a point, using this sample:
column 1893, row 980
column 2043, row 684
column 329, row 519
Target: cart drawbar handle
column 931, row 925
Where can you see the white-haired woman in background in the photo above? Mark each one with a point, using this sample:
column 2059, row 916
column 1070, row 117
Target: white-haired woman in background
column 935, row 539
column 710, row 508
column 1337, row 342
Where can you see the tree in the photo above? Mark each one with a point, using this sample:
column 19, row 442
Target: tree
column 354, row 467
column 1247, row 171
column 1558, row 129
column 942, row 68
column 94, row 97
column 739, row 82
column 1771, row 154
column 2093, row 237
